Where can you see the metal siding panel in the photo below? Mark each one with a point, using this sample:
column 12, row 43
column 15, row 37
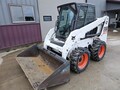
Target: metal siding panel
column 5, row 12
column 32, row 34
column 8, row 37
column 18, row 42
column 33, row 31
column 11, row 36
column 19, row 36
column 23, row 1
column 2, row 13
column 1, row 38
column 19, row 2
column 5, row 40
column 15, row 35
column 24, row 33
column 34, row 38
column 28, row 2
column 21, row 39
column 14, row 1
column 33, row 2
column 37, row 32
column 36, row 11
column 8, row 1
column 28, row 33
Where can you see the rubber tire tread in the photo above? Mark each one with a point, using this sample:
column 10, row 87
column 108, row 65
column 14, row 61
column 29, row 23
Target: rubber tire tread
column 95, row 49
column 75, row 57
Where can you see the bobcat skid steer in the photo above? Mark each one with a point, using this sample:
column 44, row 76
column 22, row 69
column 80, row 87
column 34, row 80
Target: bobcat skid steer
column 76, row 37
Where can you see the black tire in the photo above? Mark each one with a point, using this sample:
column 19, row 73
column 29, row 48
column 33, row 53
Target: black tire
column 96, row 49
column 76, row 57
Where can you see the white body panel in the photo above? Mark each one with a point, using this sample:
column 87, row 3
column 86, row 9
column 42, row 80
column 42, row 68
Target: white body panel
column 70, row 44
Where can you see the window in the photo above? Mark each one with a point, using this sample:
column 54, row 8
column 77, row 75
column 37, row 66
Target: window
column 86, row 16
column 64, row 22
column 28, row 13
column 66, row 17
column 22, row 14
column 90, row 17
column 82, row 16
column 17, row 14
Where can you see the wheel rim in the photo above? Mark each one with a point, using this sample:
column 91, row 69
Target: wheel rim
column 101, row 51
column 83, row 62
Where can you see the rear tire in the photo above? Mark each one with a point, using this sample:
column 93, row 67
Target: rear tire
column 98, row 50
column 79, row 59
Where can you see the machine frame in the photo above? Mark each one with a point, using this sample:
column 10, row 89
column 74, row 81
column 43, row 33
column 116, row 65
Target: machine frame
column 78, row 37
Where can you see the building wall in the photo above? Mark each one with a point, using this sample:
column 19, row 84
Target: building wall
column 49, row 8
column 100, row 6
column 16, row 34
column 113, row 6
column 5, row 15
column 116, row 10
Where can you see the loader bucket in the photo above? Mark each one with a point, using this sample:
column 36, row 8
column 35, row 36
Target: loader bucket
column 43, row 68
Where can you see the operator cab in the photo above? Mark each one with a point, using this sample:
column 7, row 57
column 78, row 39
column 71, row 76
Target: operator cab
column 73, row 16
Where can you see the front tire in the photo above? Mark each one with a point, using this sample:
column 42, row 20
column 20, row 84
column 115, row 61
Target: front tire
column 79, row 59
column 98, row 50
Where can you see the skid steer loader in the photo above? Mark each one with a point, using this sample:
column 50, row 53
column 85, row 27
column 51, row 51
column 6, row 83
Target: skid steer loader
column 76, row 37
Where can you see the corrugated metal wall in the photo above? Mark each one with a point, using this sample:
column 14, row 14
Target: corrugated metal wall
column 12, row 35
column 16, row 35
column 5, row 17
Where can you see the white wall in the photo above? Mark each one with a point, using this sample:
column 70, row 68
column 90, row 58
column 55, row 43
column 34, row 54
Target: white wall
column 49, row 7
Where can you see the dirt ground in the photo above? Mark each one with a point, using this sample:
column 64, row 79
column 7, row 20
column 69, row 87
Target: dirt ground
column 104, row 75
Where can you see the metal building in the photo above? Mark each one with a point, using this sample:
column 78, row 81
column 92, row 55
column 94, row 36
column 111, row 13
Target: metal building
column 19, row 23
